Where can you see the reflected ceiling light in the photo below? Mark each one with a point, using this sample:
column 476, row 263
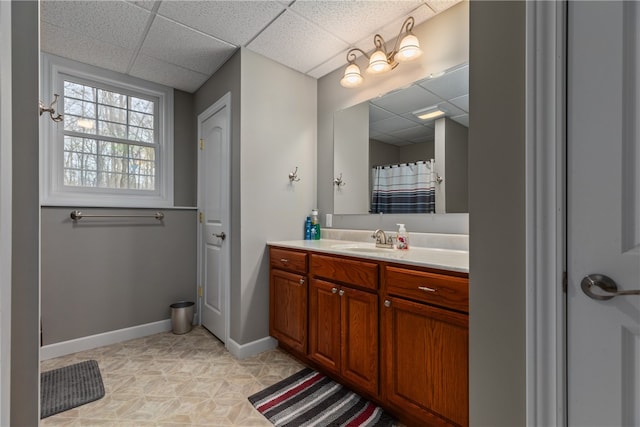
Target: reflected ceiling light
column 406, row 48
column 85, row 123
column 429, row 113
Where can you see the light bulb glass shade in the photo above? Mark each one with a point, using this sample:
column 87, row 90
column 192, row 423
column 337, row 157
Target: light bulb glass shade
column 378, row 62
column 409, row 49
column 352, row 76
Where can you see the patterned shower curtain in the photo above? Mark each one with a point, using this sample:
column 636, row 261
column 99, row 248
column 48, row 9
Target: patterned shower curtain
column 404, row 188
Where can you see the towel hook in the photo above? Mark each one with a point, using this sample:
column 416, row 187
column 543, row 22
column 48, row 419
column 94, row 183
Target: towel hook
column 50, row 109
column 293, row 176
column 338, row 181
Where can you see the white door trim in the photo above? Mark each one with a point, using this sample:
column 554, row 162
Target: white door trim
column 223, row 102
column 545, row 213
column 5, row 211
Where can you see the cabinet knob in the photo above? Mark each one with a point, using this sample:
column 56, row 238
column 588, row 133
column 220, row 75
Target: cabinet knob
column 284, row 260
column 341, row 292
column 387, row 303
column 334, row 290
column 302, row 281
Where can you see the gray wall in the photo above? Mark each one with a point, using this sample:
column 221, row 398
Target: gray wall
column 271, row 134
column 445, row 39
column 100, row 275
column 185, row 152
column 279, row 110
column 451, row 154
column 227, row 79
column 25, row 215
column 117, row 274
column 497, row 214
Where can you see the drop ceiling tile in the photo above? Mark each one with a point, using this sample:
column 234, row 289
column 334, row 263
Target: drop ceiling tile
column 66, row 43
column 145, row 4
column 161, row 72
column 236, row 22
column 451, row 85
column 352, row 21
column 463, row 119
column 388, row 139
column 450, row 109
column 391, row 124
column 415, row 132
column 290, row 39
column 441, row 5
column 407, row 100
column 179, row 45
column 461, row 102
column 117, row 23
column 337, row 61
column 377, row 113
column 391, row 29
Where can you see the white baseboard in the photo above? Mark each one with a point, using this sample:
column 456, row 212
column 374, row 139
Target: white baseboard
column 93, row 341
column 243, row 351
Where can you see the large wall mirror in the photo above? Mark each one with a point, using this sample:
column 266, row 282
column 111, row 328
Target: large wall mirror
column 405, row 151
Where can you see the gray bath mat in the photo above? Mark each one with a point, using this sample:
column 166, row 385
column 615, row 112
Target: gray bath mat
column 66, row 388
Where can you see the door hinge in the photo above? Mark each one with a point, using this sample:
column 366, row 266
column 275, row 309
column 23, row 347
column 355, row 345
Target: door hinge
column 564, row 282
column 201, row 144
column 201, row 217
column 200, row 291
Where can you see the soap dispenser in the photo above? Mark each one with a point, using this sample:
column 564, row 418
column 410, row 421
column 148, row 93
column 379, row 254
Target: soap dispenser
column 402, row 238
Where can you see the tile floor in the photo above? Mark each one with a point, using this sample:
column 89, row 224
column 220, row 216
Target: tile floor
column 174, row 380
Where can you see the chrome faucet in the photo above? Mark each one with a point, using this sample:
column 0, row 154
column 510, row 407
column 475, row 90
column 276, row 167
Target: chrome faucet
column 382, row 241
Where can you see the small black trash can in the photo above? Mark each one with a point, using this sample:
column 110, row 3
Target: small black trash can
column 181, row 317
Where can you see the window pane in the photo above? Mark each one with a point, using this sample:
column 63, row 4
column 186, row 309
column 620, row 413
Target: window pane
column 112, row 114
column 140, row 134
column 112, row 129
column 141, row 105
column 92, row 162
column 79, row 108
column 79, row 124
column 78, row 91
column 141, row 120
column 72, row 177
column 111, row 98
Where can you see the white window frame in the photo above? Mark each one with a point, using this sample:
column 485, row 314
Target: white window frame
column 53, row 192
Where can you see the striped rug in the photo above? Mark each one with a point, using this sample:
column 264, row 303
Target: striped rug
column 309, row 398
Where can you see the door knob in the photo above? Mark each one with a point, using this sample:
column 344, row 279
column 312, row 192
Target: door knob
column 607, row 285
column 221, row 235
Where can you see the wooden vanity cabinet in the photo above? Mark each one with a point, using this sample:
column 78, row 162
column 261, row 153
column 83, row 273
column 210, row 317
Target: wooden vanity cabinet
column 343, row 319
column 396, row 333
column 425, row 342
column 288, row 298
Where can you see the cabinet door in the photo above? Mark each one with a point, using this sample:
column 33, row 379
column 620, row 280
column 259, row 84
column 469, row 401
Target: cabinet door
column 324, row 324
column 288, row 309
column 426, row 355
column 360, row 338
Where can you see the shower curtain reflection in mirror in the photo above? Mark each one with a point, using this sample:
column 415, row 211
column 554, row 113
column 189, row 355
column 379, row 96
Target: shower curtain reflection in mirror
column 404, row 188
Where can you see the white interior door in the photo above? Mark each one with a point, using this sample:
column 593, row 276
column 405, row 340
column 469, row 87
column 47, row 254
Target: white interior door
column 213, row 202
column 603, row 363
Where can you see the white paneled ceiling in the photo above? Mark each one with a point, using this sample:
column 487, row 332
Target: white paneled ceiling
column 182, row 43
column 391, row 118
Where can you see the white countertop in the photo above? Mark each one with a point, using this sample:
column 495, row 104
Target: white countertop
column 444, row 259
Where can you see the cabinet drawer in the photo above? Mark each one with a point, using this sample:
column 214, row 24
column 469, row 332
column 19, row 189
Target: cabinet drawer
column 447, row 291
column 288, row 260
column 358, row 273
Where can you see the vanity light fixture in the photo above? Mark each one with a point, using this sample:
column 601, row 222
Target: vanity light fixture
column 406, row 48
column 429, row 113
